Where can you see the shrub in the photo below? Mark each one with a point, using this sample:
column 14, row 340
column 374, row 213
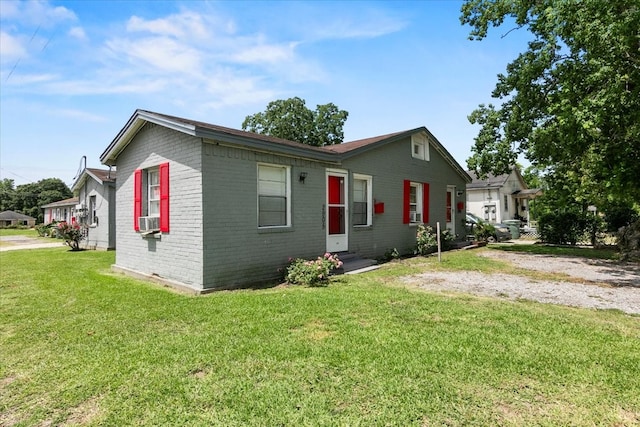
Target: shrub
column 313, row 272
column 71, row 233
column 629, row 241
column 483, row 231
column 569, row 228
column 48, row 230
column 390, row 254
column 620, row 215
column 427, row 240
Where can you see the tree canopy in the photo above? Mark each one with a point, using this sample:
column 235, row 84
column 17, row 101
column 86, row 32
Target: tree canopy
column 28, row 198
column 571, row 102
column 291, row 119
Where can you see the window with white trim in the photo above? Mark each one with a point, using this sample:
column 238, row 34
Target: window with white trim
column 420, row 146
column 151, row 198
column 362, row 200
column 415, row 203
column 92, row 209
column 274, row 196
column 153, row 192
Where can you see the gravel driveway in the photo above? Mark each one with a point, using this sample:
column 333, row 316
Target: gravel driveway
column 594, row 283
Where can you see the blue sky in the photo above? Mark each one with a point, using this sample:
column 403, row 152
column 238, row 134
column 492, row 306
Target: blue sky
column 73, row 72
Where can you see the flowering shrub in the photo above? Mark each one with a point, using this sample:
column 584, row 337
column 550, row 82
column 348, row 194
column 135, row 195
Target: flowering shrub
column 427, row 240
column 71, row 233
column 313, row 272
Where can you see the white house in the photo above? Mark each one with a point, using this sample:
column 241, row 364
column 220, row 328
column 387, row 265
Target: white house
column 500, row 198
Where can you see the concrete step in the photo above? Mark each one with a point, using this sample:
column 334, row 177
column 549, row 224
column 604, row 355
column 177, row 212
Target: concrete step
column 352, row 263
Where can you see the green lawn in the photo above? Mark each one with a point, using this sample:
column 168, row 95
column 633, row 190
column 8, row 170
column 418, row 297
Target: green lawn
column 81, row 346
column 30, row 232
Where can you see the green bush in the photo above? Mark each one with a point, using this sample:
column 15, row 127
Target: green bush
column 629, row 241
column 619, row 215
column 427, row 240
column 312, row 272
column 569, row 228
column 484, row 232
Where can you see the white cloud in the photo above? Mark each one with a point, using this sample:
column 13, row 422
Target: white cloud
column 184, row 25
column 156, row 55
column 264, row 53
column 19, row 79
column 78, row 33
column 11, row 48
column 366, row 24
column 80, row 114
column 40, row 13
column 114, row 86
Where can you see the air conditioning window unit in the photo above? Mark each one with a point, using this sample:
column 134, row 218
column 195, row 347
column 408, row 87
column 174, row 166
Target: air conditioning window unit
column 415, row 217
column 149, row 223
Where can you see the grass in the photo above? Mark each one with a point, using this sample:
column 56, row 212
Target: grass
column 29, row 232
column 81, row 346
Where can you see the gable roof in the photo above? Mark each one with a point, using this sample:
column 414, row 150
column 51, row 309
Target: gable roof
column 495, row 181
column 101, row 176
column 15, row 216
column 492, row 181
column 331, row 153
column 66, row 202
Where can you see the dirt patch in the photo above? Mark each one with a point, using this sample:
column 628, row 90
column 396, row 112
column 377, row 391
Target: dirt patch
column 12, row 243
column 607, row 285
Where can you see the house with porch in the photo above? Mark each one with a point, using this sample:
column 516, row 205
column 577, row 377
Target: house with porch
column 204, row 207
column 502, row 197
column 95, row 210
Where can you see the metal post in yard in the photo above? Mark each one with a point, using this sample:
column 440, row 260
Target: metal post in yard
column 439, row 249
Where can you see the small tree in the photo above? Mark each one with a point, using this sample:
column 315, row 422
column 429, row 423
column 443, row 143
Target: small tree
column 72, row 234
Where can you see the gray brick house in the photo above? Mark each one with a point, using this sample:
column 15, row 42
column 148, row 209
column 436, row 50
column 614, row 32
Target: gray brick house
column 204, row 207
column 95, row 209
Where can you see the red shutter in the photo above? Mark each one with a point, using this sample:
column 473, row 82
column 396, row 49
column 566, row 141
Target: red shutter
column 406, row 217
column 137, row 198
column 164, row 197
column 425, row 202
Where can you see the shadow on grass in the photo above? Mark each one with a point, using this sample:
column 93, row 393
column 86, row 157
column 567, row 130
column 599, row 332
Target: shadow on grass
column 572, row 251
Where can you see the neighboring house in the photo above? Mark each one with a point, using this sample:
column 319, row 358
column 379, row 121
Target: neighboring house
column 11, row 218
column 205, row 207
column 500, row 198
column 95, row 210
column 63, row 210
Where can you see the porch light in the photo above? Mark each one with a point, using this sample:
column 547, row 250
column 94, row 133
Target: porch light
column 302, row 177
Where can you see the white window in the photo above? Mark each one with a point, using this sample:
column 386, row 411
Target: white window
column 415, row 203
column 420, row 146
column 153, row 193
column 274, row 196
column 92, row 210
column 362, row 200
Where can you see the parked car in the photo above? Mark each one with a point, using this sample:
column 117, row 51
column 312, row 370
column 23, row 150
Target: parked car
column 501, row 233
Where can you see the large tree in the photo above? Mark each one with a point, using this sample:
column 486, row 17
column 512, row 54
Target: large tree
column 291, row 119
column 7, row 195
column 28, row 198
column 571, row 102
